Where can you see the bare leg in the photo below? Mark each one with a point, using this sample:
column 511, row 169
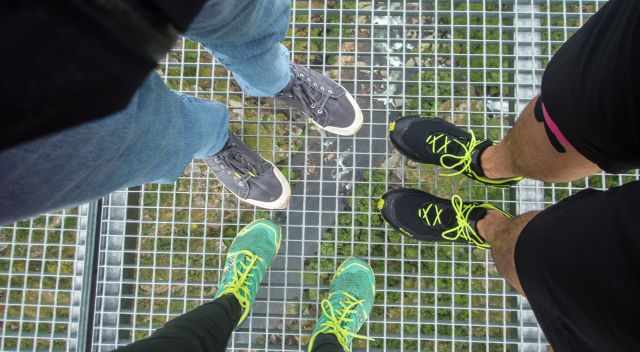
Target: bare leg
column 502, row 234
column 527, row 151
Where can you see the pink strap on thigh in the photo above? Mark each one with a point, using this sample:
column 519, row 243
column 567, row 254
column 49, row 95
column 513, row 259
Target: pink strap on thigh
column 554, row 128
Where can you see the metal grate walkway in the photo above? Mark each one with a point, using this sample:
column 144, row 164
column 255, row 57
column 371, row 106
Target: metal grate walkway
column 161, row 247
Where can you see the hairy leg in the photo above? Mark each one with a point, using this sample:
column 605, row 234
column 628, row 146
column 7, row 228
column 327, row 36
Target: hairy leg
column 527, row 151
column 502, row 233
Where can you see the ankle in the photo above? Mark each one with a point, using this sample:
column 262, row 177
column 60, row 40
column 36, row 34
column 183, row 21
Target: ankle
column 495, row 163
column 489, row 227
column 326, row 343
column 233, row 307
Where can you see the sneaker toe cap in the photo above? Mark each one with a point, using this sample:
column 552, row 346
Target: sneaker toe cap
column 407, row 138
column 400, row 210
column 266, row 187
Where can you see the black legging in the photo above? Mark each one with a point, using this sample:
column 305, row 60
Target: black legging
column 207, row 329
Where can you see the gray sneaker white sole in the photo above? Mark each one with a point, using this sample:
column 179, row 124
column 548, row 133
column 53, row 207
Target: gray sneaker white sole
column 281, row 203
column 353, row 128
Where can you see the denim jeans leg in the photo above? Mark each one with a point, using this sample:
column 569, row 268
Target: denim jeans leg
column 245, row 36
column 152, row 140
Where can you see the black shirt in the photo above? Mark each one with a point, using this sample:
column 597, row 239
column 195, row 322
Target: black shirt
column 69, row 62
column 590, row 87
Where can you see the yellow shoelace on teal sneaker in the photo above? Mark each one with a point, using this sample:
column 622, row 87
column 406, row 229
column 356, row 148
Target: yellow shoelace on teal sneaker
column 242, row 273
column 336, row 318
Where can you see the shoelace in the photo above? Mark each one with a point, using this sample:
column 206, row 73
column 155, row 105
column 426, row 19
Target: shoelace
column 236, row 161
column 424, row 213
column 336, row 317
column 463, row 230
column 459, row 161
column 312, row 105
column 242, row 273
column 462, row 161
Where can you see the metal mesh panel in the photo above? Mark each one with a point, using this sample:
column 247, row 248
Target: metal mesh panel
column 40, row 281
column 452, row 59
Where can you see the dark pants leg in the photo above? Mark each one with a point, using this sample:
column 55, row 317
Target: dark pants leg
column 204, row 329
column 207, row 329
column 327, row 343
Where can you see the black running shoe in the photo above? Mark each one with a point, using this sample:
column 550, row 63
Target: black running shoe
column 425, row 217
column 438, row 142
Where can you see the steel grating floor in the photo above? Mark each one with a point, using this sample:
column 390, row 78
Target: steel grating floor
column 161, row 247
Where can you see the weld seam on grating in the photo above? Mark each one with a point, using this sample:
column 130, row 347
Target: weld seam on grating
column 108, row 290
column 530, row 193
column 77, row 296
column 88, row 266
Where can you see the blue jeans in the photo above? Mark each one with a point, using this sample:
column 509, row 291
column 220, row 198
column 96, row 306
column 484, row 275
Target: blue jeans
column 160, row 131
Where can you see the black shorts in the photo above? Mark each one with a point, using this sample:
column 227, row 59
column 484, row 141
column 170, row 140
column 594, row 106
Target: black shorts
column 579, row 265
column 591, row 88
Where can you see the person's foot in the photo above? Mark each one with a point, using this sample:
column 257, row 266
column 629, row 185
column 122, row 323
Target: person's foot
column 438, row 142
column 322, row 100
column 247, row 175
column 425, row 217
column 349, row 304
column 248, row 259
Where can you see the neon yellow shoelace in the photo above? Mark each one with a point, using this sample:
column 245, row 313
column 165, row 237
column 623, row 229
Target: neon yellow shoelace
column 242, row 272
column 464, row 230
column 459, row 161
column 430, row 220
column 431, row 215
column 337, row 317
column 463, row 162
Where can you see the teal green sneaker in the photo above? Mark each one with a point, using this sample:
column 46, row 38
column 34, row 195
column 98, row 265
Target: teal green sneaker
column 248, row 259
column 349, row 304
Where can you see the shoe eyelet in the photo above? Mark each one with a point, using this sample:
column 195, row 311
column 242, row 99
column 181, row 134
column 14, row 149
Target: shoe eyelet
column 313, row 106
column 319, row 111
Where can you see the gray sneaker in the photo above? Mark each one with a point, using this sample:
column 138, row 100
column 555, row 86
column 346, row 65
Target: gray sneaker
column 247, row 175
column 322, row 100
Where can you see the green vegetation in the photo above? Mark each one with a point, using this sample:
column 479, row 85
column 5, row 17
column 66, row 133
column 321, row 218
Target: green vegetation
column 36, row 270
